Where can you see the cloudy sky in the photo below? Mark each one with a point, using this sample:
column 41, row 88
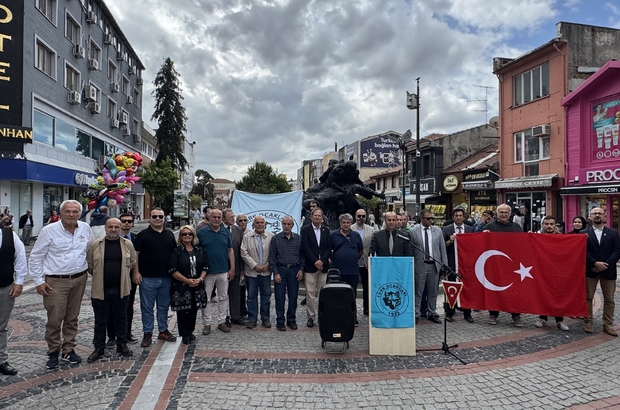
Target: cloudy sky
column 281, row 81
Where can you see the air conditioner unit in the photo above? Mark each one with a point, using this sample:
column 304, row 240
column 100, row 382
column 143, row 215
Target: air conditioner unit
column 74, row 97
column 114, row 123
column 94, row 107
column 140, row 81
column 91, row 17
column 541, row 130
column 79, row 51
column 121, row 55
column 137, row 138
column 124, row 118
column 90, row 93
column 129, row 99
column 108, row 39
column 126, row 132
column 93, row 64
column 115, row 87
column 132, row 70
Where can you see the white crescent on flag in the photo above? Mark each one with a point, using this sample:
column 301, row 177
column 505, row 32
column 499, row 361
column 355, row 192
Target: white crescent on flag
column 480, row 274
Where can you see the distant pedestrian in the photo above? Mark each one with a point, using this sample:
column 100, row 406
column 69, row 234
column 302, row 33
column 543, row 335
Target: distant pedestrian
column 97, row 222
column 26, row 224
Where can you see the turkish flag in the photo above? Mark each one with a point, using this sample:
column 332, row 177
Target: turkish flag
column 541, row 274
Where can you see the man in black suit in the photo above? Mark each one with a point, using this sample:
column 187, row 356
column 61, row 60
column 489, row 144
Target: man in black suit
column 399, row 240
column 457, row 227
column 234, row 290
column 603, row 252
column 316, row 248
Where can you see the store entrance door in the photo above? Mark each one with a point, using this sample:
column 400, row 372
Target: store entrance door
column 614, row 211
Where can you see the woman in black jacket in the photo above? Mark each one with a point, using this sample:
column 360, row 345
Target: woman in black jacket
column 188, row 266
column 579, row 224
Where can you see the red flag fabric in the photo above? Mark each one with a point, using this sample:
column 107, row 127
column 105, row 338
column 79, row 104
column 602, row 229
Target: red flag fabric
column 452, row 291
column 542, row 274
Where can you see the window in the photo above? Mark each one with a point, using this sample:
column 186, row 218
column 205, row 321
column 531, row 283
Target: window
column 72, row 29
column 64, row 136
column 136, row 97
column 111, row 109
column 530, row 150
column 45, row 59
column 125, row 88
column 531, row 85
column 394, row 182
column 135, row 129
column 72, row 78
column 426, row 165
column 98, row 148
column 48, row 8
column 43, row 128
column 112, row 71
column 83, row 143
column 94, row 51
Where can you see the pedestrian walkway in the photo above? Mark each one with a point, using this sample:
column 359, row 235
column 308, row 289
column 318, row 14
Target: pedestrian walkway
column 508, row 368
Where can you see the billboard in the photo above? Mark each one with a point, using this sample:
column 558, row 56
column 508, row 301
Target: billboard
column 180, row 204
column 606, row 124
column 379, row 152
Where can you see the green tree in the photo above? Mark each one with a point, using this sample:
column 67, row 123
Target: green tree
column 160, row 180
column 170, row 116
column 370, row 205
column 195, row 202
column 261, row 178
column 203, row 186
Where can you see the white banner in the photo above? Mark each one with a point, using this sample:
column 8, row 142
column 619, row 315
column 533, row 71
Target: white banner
column 273, row 207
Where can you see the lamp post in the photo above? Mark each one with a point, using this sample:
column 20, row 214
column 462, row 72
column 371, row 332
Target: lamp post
column 413, row 103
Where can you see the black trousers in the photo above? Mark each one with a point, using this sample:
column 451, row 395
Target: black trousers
column 130, row 304
column 186, row 321
column 243, row 307
column 365, row 290
column 234, row 295
column 112, row 302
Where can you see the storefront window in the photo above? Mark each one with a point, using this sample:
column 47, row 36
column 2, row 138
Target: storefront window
column 611, row 207
column 83, row 144
column 529, row 205
column 43, row 128
column 65, row 136
column 21, row 199
column 52, row 197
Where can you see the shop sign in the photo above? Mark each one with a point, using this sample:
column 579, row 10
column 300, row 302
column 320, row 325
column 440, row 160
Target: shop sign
column 84, row 179
column 11, row 68
column 483, row 196
column 450, row 183
column 476, row 177
column 602, row 175
column 427, row 186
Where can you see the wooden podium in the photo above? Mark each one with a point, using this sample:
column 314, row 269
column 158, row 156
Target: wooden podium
column 390, row 341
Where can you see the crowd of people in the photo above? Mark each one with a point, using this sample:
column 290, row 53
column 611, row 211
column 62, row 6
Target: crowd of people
column 219, row 259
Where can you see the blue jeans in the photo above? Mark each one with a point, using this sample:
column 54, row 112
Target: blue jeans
column 254, row 285
column 288, row 285
column 155, row 290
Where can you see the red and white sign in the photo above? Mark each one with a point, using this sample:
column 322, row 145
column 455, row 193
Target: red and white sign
column 524, row 272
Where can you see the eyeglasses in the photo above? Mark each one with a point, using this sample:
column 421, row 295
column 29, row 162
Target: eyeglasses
column 429, row 218
column 187, row 234
column 126, row 221
column 597, row 213
column 361, row 216
column 242, row 220
column 157, row 217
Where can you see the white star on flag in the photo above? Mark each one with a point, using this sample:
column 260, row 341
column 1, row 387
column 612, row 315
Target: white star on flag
column 524, row 272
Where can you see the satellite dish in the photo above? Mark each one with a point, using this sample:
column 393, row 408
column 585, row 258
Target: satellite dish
column 494, row 121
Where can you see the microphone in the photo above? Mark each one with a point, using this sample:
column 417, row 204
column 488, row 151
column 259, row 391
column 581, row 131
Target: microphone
column 403, row 237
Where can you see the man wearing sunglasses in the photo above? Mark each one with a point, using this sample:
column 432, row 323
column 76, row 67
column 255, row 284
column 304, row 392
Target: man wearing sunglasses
column 154, row 246
column 429, row 257
column 365, row 231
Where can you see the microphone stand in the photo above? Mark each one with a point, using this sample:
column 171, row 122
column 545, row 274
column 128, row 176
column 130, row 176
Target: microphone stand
column 445, row 347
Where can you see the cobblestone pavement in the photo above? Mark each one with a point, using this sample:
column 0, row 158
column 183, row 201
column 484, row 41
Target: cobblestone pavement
column 508, row 368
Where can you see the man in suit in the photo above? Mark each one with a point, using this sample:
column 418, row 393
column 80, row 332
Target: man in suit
column 365, row 231
column 449, row 236
column 234, row 290
column 390, row 241
column 26, row 224
column 316, row 248
column 430, row 239
column 603, row 252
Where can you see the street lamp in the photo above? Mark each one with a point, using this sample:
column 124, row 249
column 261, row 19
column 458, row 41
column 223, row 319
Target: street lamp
column 413, row 103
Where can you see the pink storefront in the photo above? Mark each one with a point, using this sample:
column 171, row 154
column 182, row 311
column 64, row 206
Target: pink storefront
column 593, row 146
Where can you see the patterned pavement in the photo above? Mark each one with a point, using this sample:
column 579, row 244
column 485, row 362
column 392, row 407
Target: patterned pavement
column 507, row 368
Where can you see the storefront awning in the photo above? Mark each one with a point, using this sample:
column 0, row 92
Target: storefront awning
column 474, row 185
column 591, row 189
column 410, row 199
column 538, row 181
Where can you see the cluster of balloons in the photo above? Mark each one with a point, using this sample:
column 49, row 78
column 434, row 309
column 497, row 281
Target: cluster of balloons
column 115, row 180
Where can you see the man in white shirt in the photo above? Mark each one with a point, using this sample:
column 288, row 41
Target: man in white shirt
column 58, row 262
column 365, row 231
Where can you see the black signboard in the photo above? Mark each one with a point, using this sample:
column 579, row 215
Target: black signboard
column 11, row 62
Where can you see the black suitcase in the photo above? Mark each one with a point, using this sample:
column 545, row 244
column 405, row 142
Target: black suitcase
column 337, row 310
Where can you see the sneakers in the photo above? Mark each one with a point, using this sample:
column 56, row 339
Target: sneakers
column 147, row 340
column 96, row 355
column 223, row 327
column 492, row 320
column 543, row 323
column 167, row 336
column 516, row 321
column 610, row 330
column 52, row 362
column 71, row 357
column 206, row 330
column 123, row 350
column 562, row 326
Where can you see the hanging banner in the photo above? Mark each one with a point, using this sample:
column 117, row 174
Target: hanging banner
column 273, row 207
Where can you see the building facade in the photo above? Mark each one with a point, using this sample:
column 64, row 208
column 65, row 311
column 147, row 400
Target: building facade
column 70, row 95
column 592, row 146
